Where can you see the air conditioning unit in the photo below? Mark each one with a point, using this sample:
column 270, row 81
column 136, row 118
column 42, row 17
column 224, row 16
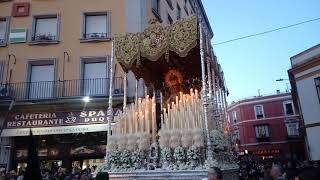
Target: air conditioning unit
column 4, row 91
column 116, row 91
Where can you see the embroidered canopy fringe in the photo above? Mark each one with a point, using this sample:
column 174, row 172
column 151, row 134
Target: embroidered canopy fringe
column 155, row 41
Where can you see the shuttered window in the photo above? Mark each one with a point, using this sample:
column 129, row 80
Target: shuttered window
column 41, row 81
column 95, row 73
column 45, row 28
column 96, row 25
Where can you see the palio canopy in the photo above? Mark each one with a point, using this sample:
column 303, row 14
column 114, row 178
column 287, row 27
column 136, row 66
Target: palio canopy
column 164, row 56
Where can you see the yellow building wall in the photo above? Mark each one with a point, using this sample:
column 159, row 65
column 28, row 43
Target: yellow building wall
column 70, row 33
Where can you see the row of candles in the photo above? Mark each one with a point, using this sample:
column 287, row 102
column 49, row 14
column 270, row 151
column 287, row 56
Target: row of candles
column 139, row 117
column 184, row 113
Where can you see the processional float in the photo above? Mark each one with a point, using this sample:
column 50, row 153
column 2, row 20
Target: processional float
column 176, row 134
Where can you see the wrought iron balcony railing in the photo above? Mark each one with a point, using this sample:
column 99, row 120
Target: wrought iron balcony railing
column 60, row 89
column 44, row 37
column 95, row 36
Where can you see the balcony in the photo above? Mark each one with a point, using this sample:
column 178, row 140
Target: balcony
column 68, row 89
column 293, row 125
column 44, row 38
column 95, row 36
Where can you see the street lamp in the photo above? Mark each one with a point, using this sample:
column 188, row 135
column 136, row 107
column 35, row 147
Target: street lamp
column 282, row 79
column 86, row 99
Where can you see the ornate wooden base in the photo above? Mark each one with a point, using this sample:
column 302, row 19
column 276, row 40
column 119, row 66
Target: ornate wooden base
column 170, row 175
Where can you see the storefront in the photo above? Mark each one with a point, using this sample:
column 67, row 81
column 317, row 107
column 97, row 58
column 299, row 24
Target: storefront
column 273, row 152
column 64, row 139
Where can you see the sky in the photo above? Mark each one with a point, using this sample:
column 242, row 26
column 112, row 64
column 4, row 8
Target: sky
column 255, row 63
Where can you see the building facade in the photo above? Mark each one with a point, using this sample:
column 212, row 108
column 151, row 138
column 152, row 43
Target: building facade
column 305, row 81
column 55, row 53
column 266, row 127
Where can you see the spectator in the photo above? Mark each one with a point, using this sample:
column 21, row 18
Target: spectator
column 266, row 173
column 276, row 172
column 21, row 175
column 308, row 173
column 291, row 171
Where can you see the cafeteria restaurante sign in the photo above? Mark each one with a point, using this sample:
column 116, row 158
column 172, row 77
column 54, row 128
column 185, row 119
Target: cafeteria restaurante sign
column 48, row 119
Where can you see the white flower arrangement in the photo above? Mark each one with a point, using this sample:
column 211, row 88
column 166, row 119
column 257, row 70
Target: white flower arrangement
column 193, row 153
column 137, row 157
column 178, row 154
column 218, row 140
column 114, row 157
column 125, row 158
column 166, row 155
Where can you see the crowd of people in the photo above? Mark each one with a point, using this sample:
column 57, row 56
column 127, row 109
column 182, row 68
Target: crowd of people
column 249, row 170
column 289, row 170
column 54, row 174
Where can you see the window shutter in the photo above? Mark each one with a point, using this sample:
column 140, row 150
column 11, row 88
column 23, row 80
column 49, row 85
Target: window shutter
column 2, row 65
column 96, row 24
column 46, row 26
column 3, row 29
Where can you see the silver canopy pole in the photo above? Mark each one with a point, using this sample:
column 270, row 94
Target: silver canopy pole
column 110, row 110
column 124, row 91
column 204, row 95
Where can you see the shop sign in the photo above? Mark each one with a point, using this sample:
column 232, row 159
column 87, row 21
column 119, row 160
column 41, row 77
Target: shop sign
column 46, row 123
column 56, row 130
column 266, row 152
column 51, row 119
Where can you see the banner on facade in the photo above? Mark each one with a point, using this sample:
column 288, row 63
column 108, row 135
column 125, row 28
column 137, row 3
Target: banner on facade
column 55, row 130
column 19, row 124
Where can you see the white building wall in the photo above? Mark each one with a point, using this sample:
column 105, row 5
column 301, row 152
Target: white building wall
column 313, row 135
column 310, row 107
column 309, row 101
column 311, row 53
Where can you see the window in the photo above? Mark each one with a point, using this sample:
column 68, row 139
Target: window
column 178, row 12
column 293, row 129
column 262, row 131
column 288, row 109
column 45, row 28
column 259, row 112
column 96, row 25
column 41, row 80
column 234, row 117
column 4, row 28
column 170, row 21
column 317, row 82
column 236, row 135
column 95, row 73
